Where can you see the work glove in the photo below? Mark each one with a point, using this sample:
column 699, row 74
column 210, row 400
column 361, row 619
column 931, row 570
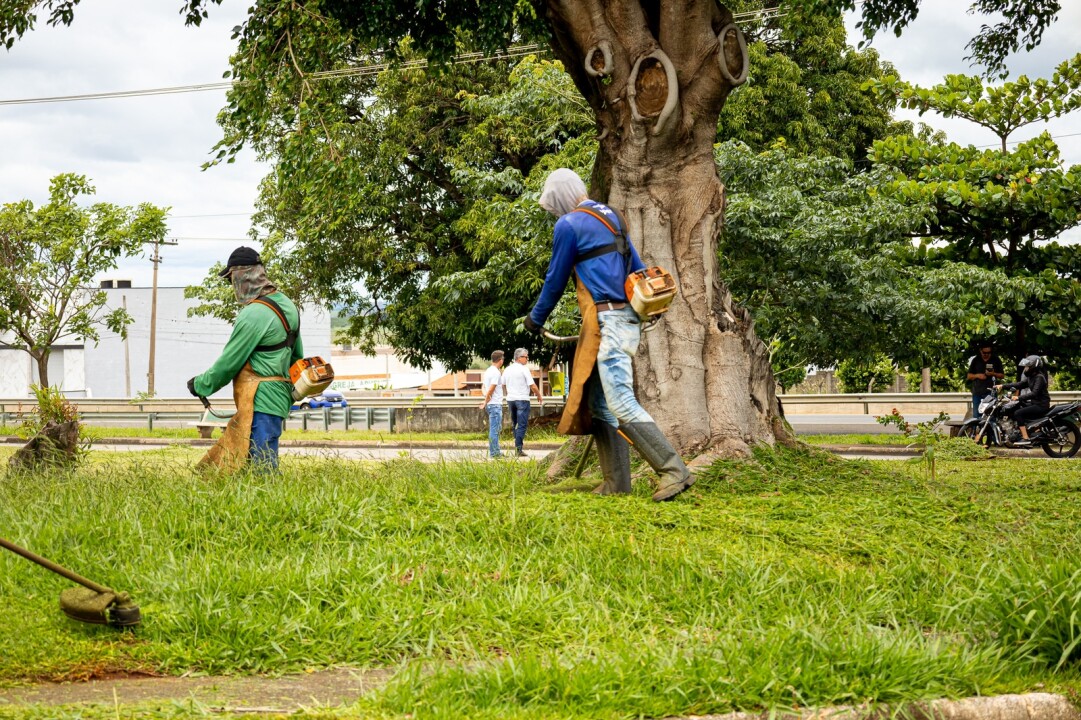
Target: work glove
column 191, row 387
column 531, row 326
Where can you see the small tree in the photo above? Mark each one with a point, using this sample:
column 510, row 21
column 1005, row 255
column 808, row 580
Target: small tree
column 999, row 209
column 872, row 375
column 49, row 256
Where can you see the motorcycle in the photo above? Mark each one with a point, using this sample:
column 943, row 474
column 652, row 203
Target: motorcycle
column 1056, row 432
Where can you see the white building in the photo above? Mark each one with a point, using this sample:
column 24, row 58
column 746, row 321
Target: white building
column 115, row 368
column 384, row 370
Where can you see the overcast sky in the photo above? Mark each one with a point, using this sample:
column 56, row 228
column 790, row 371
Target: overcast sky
column 149, row 149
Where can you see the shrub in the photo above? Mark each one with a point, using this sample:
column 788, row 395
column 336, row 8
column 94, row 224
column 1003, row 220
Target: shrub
column 875, row 375
column 53, row 442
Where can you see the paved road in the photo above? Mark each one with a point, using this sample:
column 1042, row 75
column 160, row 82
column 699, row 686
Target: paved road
column 367, row 453
column 845, row 424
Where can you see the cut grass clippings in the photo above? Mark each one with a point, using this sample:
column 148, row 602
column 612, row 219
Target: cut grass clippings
column 795, row 580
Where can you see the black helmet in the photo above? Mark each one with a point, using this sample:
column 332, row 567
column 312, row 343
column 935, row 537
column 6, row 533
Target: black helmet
column 1031, row 362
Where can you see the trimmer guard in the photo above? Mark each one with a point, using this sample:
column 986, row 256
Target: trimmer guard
column 88, row 606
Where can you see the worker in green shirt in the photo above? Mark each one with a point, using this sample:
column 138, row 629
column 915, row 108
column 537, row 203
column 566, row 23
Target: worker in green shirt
column 264, row 343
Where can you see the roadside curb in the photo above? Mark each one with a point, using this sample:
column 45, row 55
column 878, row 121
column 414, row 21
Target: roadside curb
column 1031, row 706
column 916, row 451
column 888, row 450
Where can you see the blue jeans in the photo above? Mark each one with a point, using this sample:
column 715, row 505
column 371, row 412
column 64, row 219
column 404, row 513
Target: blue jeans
column 495, row 424
column 976, row 400
column 519, row 419
column 265, row 431
column 611, row 388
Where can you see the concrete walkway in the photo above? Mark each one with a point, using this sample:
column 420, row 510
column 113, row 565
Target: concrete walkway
column 284, row 694
column 342, row 686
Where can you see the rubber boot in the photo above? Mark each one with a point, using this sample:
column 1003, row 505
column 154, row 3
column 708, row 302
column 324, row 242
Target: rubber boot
column 655, row 449
column 615, row 458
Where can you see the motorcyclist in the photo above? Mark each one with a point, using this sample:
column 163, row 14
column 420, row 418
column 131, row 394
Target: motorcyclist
column 1033, row 398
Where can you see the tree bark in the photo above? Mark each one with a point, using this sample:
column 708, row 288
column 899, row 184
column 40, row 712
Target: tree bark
column 42, row 361
column 55, row 445
column 702, row 372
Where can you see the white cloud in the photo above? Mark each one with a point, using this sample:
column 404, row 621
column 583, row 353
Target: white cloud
column 934, row 46
column 145, row 149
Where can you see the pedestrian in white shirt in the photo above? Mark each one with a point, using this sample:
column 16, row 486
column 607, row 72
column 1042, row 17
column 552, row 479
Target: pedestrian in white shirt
column 492, row 386
column 519, row 382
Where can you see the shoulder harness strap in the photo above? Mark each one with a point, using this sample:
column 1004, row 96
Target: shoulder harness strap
column 620, row 245
column 290, row 335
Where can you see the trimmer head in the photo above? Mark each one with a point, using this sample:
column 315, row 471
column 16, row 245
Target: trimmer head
column 100, row 608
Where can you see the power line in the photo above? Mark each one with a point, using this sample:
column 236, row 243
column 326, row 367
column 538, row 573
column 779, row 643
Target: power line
column 1018, row 142
column 356, row 71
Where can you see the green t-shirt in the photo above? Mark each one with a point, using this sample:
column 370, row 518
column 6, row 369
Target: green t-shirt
column 256, row 325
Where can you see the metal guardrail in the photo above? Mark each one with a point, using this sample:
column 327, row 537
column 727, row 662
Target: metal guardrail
column 350, row 417
column 366, row 410
column 10, row 407
column 861, row 403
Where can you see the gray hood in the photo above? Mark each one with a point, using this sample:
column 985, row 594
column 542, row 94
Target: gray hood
column 563, row 190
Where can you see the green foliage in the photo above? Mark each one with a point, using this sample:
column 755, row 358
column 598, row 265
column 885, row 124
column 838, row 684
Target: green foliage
column 52, row 407
column 943, row 379
column 1001, row 210
column 1034, row 609
column 49, row 257
column 1020, row 23
column 421, row 188
column 825, row 262
column 866, row 375
column 1001, row 108
column 925, row 434
column 806, row 87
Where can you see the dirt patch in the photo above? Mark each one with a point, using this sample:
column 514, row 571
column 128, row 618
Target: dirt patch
column 323, row 688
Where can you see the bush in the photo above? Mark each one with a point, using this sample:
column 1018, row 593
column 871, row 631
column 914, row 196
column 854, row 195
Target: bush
column 942, row 380
column 874, row 375
column 57, row 438
column 52, row 407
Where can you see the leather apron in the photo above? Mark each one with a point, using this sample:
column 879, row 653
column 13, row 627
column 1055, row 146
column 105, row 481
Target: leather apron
column 231, row 451
column 576, row 419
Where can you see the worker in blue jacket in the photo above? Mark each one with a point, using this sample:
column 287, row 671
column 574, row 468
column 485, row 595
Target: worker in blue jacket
column 591, row 240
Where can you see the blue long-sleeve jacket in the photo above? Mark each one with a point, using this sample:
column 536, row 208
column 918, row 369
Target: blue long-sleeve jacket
column 576, row 233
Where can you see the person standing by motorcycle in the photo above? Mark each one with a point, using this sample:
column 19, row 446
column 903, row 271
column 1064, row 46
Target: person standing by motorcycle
column 983, row 370
column 591, row 240
column 1033, row 397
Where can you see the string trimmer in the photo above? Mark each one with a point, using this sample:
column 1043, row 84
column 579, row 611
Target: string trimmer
column 206, row 404
column 92, row 603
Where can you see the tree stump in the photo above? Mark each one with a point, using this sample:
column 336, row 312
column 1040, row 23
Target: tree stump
column 55, row 445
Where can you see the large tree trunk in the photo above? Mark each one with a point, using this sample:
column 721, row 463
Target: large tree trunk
column 702, row 373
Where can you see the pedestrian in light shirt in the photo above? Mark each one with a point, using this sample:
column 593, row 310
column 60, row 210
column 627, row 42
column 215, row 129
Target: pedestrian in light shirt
column 519, row 382
column 492, row 387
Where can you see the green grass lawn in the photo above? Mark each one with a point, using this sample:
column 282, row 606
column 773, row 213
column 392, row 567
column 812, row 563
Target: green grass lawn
column 795, row 580
column 857, row 439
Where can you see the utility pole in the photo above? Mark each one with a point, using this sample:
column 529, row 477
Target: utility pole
column 156, row 259
column 127, row 356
